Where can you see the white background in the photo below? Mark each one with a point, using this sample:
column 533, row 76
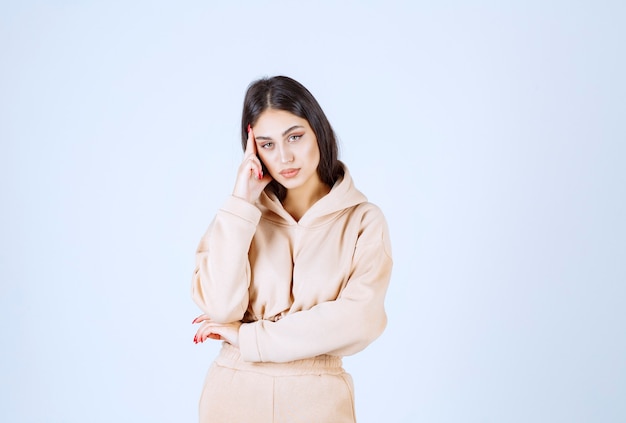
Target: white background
column 490, row 133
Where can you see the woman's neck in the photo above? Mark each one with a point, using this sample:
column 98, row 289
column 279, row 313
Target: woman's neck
column 299, row 200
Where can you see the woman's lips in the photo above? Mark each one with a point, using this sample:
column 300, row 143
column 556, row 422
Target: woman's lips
column 289, row 173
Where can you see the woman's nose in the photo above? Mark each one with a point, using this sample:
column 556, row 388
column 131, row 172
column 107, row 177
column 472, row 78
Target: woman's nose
column 285, row 155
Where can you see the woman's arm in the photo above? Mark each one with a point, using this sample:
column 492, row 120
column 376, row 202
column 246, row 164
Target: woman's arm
column 222, row 273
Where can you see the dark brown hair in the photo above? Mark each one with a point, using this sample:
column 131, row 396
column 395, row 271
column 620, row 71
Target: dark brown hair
column 284, row 93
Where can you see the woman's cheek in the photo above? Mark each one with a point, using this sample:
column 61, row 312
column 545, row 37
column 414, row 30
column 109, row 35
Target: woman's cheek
column 266, row 159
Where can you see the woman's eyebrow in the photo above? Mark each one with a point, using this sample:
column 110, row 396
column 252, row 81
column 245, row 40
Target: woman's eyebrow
column 291, row 129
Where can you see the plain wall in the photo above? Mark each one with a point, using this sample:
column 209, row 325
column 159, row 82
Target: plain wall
column 490, row 133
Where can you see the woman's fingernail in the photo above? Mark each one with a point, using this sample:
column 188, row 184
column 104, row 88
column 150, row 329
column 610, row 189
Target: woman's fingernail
column 260, row 175
column 249, row 128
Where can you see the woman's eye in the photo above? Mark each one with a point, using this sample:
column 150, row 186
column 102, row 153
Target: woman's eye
column 295, row 137
column 267, row 145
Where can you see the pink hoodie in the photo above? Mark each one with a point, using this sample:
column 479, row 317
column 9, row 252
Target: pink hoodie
column 302, row 289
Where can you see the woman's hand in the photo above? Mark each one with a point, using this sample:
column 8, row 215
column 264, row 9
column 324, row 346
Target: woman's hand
column 228, row 332
column 250, row 179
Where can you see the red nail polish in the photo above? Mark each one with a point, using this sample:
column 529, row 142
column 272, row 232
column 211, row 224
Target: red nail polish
column 249, row 128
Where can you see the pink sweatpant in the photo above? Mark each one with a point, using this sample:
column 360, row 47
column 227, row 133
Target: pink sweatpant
column 315, row 390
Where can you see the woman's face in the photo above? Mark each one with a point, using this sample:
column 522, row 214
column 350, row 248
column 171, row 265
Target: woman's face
column 288, row 147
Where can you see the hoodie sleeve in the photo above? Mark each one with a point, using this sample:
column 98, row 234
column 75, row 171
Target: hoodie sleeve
column 341, row 327
column 222, row 273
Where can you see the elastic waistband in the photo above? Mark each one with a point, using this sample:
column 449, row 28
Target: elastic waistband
column 323, row 364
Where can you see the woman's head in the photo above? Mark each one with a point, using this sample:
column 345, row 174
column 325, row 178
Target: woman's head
column 286, row 94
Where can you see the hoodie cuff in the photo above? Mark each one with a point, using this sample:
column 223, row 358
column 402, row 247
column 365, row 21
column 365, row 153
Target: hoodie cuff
column 240, row 207
column 248, row 342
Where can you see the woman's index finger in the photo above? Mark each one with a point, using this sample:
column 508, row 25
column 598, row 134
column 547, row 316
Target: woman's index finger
column 250, row 144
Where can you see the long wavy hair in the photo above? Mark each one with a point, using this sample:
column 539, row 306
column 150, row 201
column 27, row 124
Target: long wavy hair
column 284, row 93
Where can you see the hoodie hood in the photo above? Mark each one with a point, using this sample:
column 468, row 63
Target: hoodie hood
column 343, row 195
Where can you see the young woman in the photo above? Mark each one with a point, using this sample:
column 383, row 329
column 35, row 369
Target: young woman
column 292, row 271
